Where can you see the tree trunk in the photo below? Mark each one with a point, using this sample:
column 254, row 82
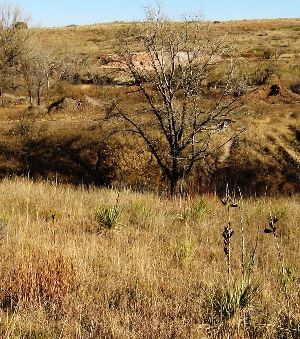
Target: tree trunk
column 176, row 174
column 173, row 186
column 39, row 97
column 30, row 97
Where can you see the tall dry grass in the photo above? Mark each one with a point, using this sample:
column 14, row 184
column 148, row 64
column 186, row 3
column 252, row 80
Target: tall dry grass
column 65, row 276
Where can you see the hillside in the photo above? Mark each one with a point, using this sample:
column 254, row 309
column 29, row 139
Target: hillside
column 92, row 245
column 67, row 144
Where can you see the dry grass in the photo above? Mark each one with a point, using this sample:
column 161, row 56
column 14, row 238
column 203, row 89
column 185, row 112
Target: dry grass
column 62, row 276
column 163, row 271
column 246, row 33
column 258, row 44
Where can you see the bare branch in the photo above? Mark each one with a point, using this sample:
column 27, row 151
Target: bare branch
column 182, row 118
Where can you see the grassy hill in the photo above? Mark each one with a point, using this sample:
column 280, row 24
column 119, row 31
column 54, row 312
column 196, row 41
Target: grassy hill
column 66, row 144
column 83, row 261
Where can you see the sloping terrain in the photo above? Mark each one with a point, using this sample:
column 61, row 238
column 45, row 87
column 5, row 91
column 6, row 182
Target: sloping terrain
column 64, row 137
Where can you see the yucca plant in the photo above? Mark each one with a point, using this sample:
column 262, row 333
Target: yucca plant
column 226, row 307
column 229, row 203
column 108, row 217
column 222, row 305
column 225, row 311
column 273, row 229
column 289, row 326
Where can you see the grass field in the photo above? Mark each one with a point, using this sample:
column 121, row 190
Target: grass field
column 81, row 260
column 158, row 270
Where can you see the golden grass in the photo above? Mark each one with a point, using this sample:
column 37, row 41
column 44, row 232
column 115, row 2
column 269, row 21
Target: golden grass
column 251, row 38
column 62, row 276
column 256, row 41
column 105, row 35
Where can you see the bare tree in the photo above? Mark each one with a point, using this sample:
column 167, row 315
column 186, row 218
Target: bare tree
column 182, row 122
column 72, row 64
column 37, row 67
column 13, row 37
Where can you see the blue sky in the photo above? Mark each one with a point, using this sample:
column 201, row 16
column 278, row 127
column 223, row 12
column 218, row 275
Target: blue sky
column 49, row 13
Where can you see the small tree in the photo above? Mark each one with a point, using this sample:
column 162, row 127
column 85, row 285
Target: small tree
column 181, row 120
column 12, row 42
column 37, row 66
column 72, row 64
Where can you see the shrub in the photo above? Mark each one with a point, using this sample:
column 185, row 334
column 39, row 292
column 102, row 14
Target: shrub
column 36, row 278
column 26, row 123
column 20, row 25
column 261, row 75
column 239, row 87
column 108, row 217
column 223, row 306
column 295, row 87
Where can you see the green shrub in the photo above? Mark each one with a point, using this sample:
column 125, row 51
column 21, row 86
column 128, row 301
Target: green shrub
column 223, row 309
column 108, row 217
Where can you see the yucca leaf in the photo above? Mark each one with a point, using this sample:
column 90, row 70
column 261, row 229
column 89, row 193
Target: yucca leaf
column 267, row 230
